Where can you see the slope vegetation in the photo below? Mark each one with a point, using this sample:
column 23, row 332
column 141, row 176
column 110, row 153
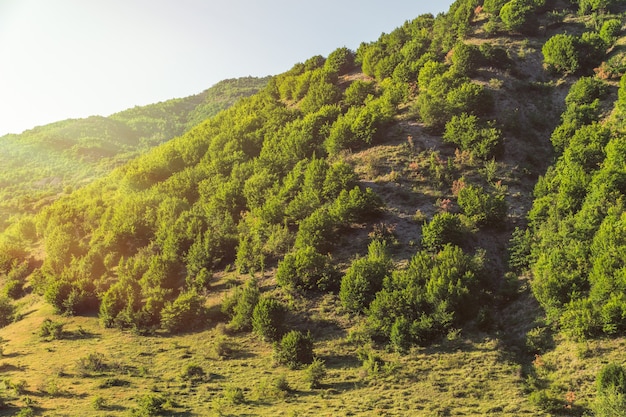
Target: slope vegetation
column 429, row 225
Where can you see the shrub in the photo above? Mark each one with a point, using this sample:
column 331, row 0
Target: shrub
column 365, row 277
column 358, row 92
column 240, row 305
column 315, row 372
column 305, row 269
column 483, row 208
column 14, row 289
column 469, row 134
column 560, row 54
column 7, row 311
column 193, row 372
column 268, row 318
column 612, row 376
column 466, row 58
column 443, row 228
column 585, row 91
column 149, row 405
column 186, row 312
column 610, row 30
column 234, row 395
column 98, row 403
column 516, row 15
column 94, row 362
column 294, row 349
column 51, row 330
column 340, row 61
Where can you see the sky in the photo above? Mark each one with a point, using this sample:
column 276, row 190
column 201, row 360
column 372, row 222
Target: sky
column 76, row 58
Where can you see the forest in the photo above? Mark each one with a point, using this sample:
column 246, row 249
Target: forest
column 433, row 224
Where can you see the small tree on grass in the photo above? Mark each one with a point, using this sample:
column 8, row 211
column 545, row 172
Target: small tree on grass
column 611, row 391
column 186, row 312
column 7, row 311
column 240, row 305
column 268, row 319
column 51, row 330
column 295, row 349
column 315, row 372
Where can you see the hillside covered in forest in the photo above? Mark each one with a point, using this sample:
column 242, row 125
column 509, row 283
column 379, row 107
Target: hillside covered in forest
column 431, row 225
column 42, row 163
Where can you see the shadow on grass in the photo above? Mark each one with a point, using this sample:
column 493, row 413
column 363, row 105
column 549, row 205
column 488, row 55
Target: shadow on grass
column 341, row 361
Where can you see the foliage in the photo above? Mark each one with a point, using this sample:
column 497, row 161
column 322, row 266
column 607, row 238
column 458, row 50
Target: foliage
column 305, row 269
column 421, row 303
column 560, row 53
column 186, row 312
column 7, row 311
column 294, row 350
column 483, row 208
column 51, row 330
column 240, row 304
column 442, row 229
column 315, row 373
column 516, row 15
column 365, row 277
column 268, row 319
column 483, row 140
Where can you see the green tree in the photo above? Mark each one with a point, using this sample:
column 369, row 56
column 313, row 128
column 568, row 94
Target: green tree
column 186, row 312
column 294, row 349
column 240, row 305
column 268, row 319
column 560, row 53
column 305, row 269
column 516, row 15
column 484, row 208
column 365, row 277
column 442, row 229
column 466, row 131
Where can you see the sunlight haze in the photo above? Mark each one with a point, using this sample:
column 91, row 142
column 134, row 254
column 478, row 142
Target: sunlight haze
column 71, row 59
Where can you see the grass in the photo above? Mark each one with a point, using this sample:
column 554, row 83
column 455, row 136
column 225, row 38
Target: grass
column 466, row 374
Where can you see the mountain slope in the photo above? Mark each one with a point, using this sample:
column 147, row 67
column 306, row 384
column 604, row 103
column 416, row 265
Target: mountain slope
column 41, row 163
column 363, row 221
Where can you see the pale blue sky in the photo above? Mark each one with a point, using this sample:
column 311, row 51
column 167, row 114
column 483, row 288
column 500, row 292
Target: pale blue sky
column 64, row 59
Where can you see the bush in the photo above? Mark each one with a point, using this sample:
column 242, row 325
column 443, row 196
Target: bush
column 609, row 32
column 193, row 372
column 315, row 372
column 340, row 61
column 234, row 395
column 467, row 132
column 560, row 54
column 94, row 362
column 305, row 269
column 7, row 311
column 14, row 289
column 149, row 405
column 612, row 377
column 585, row 91
column 365, row 277
column 186, row 312
column 516, row 15
column 240, row 305
column 484, row 209
column 51, row 330
column 268, row 319
column 443, row 228
column 466, row 58
column 294, row 349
